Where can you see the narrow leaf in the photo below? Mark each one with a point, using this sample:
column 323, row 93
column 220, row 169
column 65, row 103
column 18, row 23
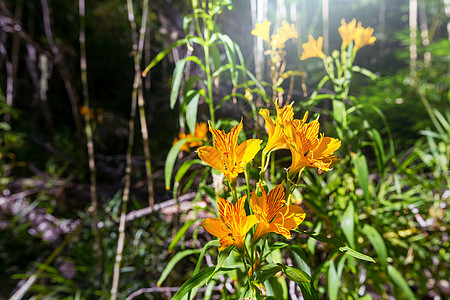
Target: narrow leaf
column 191, row 112
column 176, row 81
column 170, row 162
column 213, row 243
column 179, row 256
column 400, row 282
column 348, row 224
column 333, row 282
column 161, row 55
column 180, row 234
column 198, row 280
column 296, row 274
column 220, row 260
column 377, row 242
column 360, row 163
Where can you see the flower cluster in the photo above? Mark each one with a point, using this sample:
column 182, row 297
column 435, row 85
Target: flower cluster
column 271, row 211
column 355, row 33
column 308, row 147
column 271, row 215
column 201, row 129
column 279, row 39
column 350, row 32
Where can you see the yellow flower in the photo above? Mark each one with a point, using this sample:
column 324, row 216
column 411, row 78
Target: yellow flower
column 201, row 129
column 309, row 149
column 226, row 155
column 312, row 48
column 233, row 224
column 353, row 32
column 363, row 36
column 347, row 32
column 285, row 116
column 262, row 30
column 273, row 215
column 284, row 33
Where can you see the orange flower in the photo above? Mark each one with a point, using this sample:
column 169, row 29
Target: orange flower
column 347, row 31
column 200, row 132
column 226, row 155
column 284, row 33
column 312, row 48
column 363, row 36
column 285, row 116
column 262, row 30
column 273, row 215
column 356, row 33
column 233, row 224
column 309, row 149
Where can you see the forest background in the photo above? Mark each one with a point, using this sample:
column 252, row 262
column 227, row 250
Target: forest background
column 73, row 154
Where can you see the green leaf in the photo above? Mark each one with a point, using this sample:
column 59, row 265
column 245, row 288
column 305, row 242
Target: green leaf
column 179, row 256
column 340, row 245
column 296, row 274
column 180, row 234
column 170, row 161
column 231, row 55
column 300, row 257
column 359, row 160
column 308, row 291
column 333, row 282
column 268, row 271
column 220, row 260
column 185, row 167
column 378, row 148
column 400, row 282
column 191, row 112
column 377, row 242
column 356, row 254
column 213, row 243
column 176, row 81
column 198, row 280
column 161, row 55
column 348, row 223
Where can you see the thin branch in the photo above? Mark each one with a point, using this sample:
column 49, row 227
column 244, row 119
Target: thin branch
column 89, row 135
column 126, row 191
column 136, row 214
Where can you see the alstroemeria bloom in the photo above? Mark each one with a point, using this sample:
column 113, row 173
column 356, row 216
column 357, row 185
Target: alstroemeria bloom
column 285, row 117
column 200, row 133
column 309, row 148
column 312, row 48
column 226, row 155
column 347, row 32
column 284, row 33
column 262, row 30
column 233, row 224
column 353, row 32
column 273, row 215
column 363, row 36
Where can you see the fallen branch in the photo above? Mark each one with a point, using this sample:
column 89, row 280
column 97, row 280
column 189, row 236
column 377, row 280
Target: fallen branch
column 136, row 214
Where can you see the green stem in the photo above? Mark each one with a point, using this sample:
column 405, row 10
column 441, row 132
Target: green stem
column 233, row 185
column 209, row 100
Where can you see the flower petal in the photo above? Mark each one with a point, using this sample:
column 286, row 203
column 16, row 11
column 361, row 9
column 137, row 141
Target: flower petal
column 215, row 226
column 247, row 150
column 211, row 156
